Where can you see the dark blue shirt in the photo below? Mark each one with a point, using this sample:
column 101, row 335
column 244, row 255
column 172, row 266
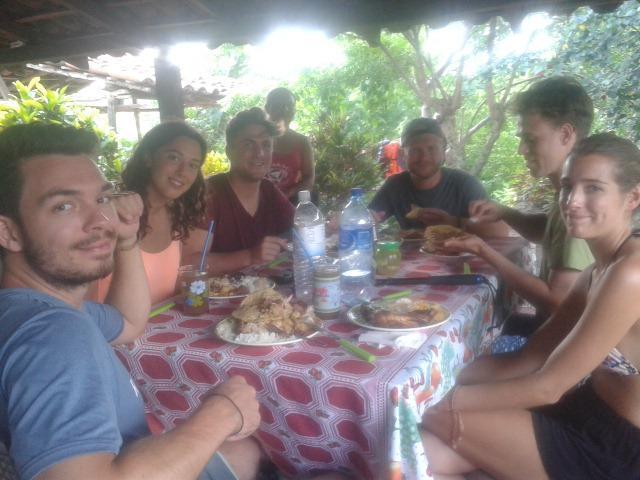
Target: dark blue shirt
column 453, row 194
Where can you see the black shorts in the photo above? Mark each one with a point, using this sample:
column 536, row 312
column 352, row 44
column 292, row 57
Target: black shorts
column 581, row 438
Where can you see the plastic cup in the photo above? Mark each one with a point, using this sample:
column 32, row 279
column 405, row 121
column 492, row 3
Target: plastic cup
column 194, row 286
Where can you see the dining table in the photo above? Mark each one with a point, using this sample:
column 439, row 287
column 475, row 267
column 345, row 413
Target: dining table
column 322, row 408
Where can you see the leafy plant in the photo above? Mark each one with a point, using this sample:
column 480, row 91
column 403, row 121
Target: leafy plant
column 342, row 161
column 214, row 163
column 34, row 103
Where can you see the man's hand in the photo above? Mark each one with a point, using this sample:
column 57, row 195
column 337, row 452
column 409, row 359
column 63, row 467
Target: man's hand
column 435, row 216
column 128, row 207
column 267, row 250
column 485, row 211
column 245, row 406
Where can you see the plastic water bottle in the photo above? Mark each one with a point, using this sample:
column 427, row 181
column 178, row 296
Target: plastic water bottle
column 308, row 245
column 356, row 250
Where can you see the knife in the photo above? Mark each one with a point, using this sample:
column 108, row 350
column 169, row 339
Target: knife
column 473, row 279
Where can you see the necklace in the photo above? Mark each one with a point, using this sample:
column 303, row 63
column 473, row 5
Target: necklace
column 613, row 257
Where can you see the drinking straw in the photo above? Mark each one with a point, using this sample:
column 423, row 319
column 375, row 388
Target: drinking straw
column 302, row 245
column 466, row 269
column 207, row 243
column 161, row 309
column 395, row 296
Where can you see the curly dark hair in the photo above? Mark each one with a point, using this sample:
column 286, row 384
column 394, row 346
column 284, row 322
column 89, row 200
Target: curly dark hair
column 187, row 211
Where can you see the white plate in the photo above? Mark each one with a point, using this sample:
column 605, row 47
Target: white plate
column 250, row 284
column 457, row 256
column 356, row 317
column 224, row 331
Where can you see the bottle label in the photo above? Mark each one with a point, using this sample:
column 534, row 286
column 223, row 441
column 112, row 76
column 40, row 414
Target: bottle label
column 326, row 294
column 313, row 238
column 360, row 238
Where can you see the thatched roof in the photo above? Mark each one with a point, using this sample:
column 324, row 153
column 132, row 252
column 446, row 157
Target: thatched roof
column 37, row 30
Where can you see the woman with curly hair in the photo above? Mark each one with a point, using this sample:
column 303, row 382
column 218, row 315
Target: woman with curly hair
column 165, row 171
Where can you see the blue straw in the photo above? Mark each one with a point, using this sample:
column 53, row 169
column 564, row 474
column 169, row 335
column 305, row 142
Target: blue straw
column 207, row 243
column 301, row 242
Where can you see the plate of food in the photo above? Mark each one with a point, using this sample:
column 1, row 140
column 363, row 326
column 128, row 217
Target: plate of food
column 402, row 315
column 236, row 286
column 434, row 238
column 412, row 235
column 266, row 318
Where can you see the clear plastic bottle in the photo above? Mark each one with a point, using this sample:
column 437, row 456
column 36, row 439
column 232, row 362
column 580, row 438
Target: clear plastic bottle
column 356, row 250
column 309, row 225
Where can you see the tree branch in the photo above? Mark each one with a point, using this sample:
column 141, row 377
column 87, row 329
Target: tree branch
column 401, row 71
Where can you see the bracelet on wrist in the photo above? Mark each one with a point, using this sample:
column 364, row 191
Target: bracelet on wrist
column 452, row 394
column 236, row 407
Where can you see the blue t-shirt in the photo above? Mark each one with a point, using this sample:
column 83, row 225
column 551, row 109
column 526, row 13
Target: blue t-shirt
column 453, row 194
column 63, row 391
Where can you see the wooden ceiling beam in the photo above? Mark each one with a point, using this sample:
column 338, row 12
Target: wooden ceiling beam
column 96, row 12
column 14, row 31
column 43, row 16
column 62, row 49
column 201, row 7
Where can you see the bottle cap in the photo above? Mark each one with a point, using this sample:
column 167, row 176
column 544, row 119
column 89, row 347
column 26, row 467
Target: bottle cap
column 304, row 196
column 356, row 192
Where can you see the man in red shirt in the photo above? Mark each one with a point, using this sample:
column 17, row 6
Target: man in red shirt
column 249, row 211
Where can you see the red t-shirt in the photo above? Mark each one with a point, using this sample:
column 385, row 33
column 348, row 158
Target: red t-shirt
column 286, row 168
column 235, row 228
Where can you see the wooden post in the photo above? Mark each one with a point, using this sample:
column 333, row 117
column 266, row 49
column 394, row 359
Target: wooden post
column 168, row 88
column 136, row 116
column 111, row 112
column 4, row 90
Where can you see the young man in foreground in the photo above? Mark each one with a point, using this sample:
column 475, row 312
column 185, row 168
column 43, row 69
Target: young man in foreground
column 68, row 408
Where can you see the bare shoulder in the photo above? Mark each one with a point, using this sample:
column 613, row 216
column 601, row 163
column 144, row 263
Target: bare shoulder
column 627, row 266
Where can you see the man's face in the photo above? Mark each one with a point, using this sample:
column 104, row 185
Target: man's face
column 250, row 153
column 544, row 145
column 65, row 224
column 425, row 155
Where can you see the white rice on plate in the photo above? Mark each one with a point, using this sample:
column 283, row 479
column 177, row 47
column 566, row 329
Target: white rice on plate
column 226, row 330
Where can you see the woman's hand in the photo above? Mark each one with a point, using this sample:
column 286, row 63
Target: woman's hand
column 468, row 243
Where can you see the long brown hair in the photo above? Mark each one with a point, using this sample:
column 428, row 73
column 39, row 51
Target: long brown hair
column 188, row 210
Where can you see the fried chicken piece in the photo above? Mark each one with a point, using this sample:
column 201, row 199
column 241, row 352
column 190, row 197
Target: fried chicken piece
column 436, row 235
column 270, row 311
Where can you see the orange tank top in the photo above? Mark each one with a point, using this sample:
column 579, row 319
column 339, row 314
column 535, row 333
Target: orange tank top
column 162, row 273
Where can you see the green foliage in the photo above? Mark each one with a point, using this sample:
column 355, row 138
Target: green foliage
column 35, row 103
column 366, row 91
column 342, row 161
column 212, row 122
column 602, row 49
column 214, row 163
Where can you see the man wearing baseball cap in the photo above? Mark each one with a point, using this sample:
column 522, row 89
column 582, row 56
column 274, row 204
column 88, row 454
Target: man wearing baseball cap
column 434, row 194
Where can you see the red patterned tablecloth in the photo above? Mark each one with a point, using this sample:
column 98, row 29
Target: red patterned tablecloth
column 323, row 409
